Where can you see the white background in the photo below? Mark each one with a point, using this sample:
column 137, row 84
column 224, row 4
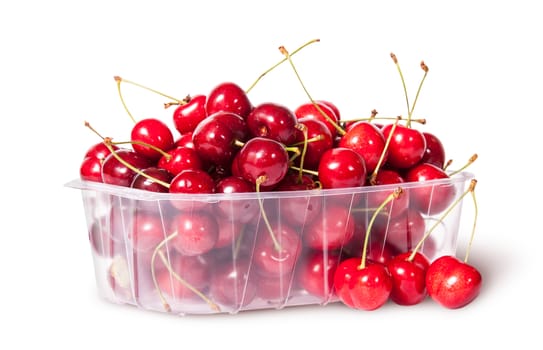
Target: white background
column 483, row 95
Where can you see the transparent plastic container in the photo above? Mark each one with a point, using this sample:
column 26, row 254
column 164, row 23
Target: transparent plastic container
column 226, row 253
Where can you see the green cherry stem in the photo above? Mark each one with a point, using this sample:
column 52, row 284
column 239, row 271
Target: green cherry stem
column 476, row 214
column 288, row 57
column 397, row 192
column 385, row 149
column 440, row 220
column 472, row 159
column 261, row 179
column 425, row 69
column 279, row 63
column 395, row 60
column 153, row 272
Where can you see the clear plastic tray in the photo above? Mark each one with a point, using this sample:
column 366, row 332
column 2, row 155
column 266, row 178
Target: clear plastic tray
column 216, row 253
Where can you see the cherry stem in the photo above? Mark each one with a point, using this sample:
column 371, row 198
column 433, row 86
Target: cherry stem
column 476, row 214
column 119, row 80
column 385, row 149
column 425, row 69
column 108, row 143
column 303, row 129
column 279, row 63
column 312, row 172
column 153, row 272
column 336, row 126
column 178, row 103
column 448, row 164
column 371, row 118
column 397, row 192
column 472, row 159
column 319, row 137
column 141, row 143
column 395, row 59
column 259, row 181
column 440, row 220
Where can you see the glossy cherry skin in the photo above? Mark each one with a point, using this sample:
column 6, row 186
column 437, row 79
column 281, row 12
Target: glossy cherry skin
column 406, row 148
column 315, row 149
column 452, row 283
column 238, row 210
column 316, row 273
column 398, row 205
column 91, row 169
column 116, row 173
column 231, row 286
column 432, row 198
column 263, row 158
column 331, row 230
column 153, row 132
column 187, row 115
column 341, row 167
column 215, row 137
column 332, row 106
column 195, row 233
column 185, row 140
column 191, row 182
column 271, row 261
column 408, row 278
column 274, row 121
column 228, row 97
column 180, row 158
column 435, row 151
column 368, row 141
column 99, row 150
column 308, row 110
column 143, row 183
column 365, row 288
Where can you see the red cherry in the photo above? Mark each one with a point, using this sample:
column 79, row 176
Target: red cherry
column 239, row 210
column 180, row 158
column 187, row 115
column 228, row 97
column 331, row 230
column 185, row 140
column 91, row 169
column 231, row 286
column 216, row 136
column 274, row 121
column 192, row 182
column 341, row 167
column 308, row 110
column 116, row 173
column 408, row 278
column 144, row 183
column 435, row 151
column 396, row 207
column 146, row 231
column 152, row 132
column 272, row 261
column 195, row 233
column 452, row 282
column 316, row 273
column 366, row 288
column 402, row 232
column 99, row 150
column 262, row 158
column 332, row 106
column 299, row 210
column 367, row 140
column 194, row 270
column 316, row 148
column 406, row 148
column 430, row 199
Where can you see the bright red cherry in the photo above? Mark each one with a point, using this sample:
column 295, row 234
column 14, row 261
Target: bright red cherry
column 406, row 148
column 430, row 199
column 195, row 233
column 274, row 121
column 367, row 140
column 341, row 167
column 316, row 273
column 153, row 132
column 99, row 150
column 315, row 148
column 91, row 169
column 192, row 182
column 228, row 97
column 185, row 140
column 452, row 282
column 187, row 115
column 308, row 110
column 179, row 159
column 408, row 278
column 332, row 106
column 262, row 158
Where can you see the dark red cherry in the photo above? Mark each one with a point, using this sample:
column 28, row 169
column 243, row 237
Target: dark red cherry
column 406, row 148
column 180, row 158
column 341, row 167
column 274, row 121
column 186, row 116
column 231, row 286
column 152, row 132
column 142, row 182
column 435, row 151
column 238, row 209
column 228, row 97
column 316, row 273
column 271, row 261
column 116, row 173
column 367, row 140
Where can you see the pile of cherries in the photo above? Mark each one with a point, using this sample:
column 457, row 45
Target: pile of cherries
column 229, row 253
